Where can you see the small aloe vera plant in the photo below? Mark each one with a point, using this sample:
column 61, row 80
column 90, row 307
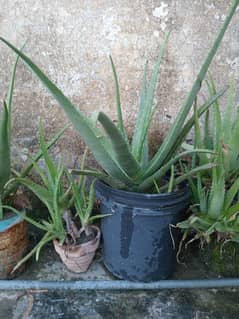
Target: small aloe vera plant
column 60, row 197
column 84, row 200
column 126, row 164
column 215, row 194
column 52, row 194
column 215, row 209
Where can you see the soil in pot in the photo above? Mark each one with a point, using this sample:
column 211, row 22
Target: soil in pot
column 13, row 245
column 79, row 256
column 221, row 258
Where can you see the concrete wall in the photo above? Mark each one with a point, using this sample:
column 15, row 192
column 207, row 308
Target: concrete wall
column 71, row 40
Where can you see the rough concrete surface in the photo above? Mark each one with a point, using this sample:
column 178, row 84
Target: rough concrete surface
column 118, row 305
column 71, row 41
column 163, row 304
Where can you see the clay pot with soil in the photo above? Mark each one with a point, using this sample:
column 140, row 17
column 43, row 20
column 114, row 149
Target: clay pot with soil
column 78, row 257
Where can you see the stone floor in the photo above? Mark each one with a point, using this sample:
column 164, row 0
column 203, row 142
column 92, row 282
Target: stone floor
column 51, row 304
column 198, row 304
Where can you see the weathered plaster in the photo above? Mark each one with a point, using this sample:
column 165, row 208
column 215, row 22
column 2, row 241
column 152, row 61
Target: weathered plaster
column 71, row 40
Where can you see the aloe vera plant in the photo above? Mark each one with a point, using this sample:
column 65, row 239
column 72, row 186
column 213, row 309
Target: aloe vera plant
column 127, row 165
column 53, row 195
column 215, row 210
column 84, row 199
column 6, row 169
column 59, row 192
column 215, row 194
column 220, row 130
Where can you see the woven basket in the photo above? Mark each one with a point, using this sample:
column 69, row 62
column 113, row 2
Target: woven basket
column 13, row 247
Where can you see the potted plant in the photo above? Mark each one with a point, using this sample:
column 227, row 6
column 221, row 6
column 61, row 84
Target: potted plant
column 13, row 229
column 214, row 218
column 128, row 170
column 73, row 236
column 86, row 238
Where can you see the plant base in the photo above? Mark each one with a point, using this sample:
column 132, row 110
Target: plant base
column 13, row 246
column 77, row 258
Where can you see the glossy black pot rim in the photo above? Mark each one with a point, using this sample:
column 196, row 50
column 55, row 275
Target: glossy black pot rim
column 143, row 199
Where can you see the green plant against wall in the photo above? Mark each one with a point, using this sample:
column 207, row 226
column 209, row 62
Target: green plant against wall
column 215, row 211
column 52, row 194
column 126, row 165
column 220, row 132
column 8, row 190
column 60, row 193
column 215, row 194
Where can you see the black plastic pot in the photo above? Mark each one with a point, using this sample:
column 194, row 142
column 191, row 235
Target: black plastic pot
column 138, row 242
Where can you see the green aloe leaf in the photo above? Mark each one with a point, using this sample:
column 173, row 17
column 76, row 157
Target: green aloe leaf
column 198, row 140
column 232, row 210
column 46, row 238
column 5, row 133
column 24, row 216
column 91, row 201
column 118, row 102
column 146, row 109
column 203, row 199
column 217, row 120
column 207, row 137
column 10, row 96
column 232, row 143
column 228, row 115
column 5, row 164
column 198, row 143
column 58, row 210
column 231, row 193
column 41, row 192
column 49, row 162
column 216, row 196
column 122, row 152
column 135, row 145
column 79, row 197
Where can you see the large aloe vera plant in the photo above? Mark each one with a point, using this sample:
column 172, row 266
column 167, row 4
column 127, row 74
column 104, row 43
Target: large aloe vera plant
column 127, row 165
column 6, row 169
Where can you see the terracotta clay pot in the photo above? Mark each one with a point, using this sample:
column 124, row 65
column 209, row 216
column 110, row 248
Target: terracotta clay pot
column 13, row 245
column 78, row 258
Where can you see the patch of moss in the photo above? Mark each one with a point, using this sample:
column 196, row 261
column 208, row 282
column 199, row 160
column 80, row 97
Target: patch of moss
column 222, row 258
